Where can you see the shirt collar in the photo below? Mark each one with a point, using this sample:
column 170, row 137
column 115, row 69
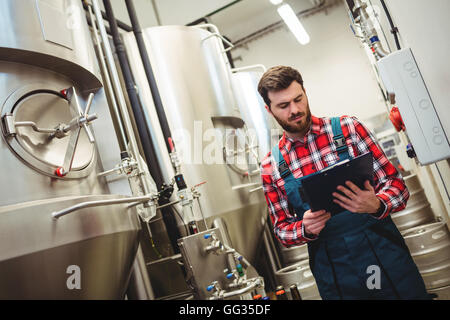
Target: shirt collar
column 315, row 129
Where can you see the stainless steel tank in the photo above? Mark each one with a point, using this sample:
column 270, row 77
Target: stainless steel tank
column 299, row 274
column 45, row 47
column 430, row 248
column 264, row 130
column 418, row 210
column 194, row 81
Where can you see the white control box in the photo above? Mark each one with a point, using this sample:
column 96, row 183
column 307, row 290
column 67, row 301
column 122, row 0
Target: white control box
column 400, row 75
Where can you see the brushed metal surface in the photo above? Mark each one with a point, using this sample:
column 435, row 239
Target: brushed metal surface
column 265, row 129
column 23, row 182
column 299, row 274
column 22, row 38
column 36, row 252
column 101, row 241
column 203, row 268
column 413, row 216
column 197, row 94
column 442, row 293
column 43, row 105
column 196, row 91
column 430, row 248
column 293, row 254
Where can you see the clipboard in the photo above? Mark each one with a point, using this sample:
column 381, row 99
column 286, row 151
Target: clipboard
column 317, row 189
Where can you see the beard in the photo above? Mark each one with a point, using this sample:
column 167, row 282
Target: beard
column 301, row 126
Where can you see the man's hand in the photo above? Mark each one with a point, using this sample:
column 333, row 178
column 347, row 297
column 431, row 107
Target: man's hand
column 315, row 221
column 357, row 200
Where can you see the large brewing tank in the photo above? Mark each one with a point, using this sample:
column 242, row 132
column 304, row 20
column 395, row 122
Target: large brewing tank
column 264, row 131
column 194, row 80
column 45, row 47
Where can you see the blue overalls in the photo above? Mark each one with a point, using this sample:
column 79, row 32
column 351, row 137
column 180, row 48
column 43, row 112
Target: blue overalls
column 353, row 249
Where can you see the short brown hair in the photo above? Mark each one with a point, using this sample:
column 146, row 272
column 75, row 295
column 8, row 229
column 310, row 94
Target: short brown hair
column 277, row 78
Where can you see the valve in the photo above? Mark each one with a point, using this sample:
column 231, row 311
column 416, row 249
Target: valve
column 81, row 120
column 410, row 151
column 215, row 289
column 215, row 245
column 396, row 119
column 240, row 270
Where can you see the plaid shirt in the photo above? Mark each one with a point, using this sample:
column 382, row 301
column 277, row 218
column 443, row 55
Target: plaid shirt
column 315, row 152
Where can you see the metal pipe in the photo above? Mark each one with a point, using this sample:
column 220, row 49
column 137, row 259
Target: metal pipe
column 149, row 73
column 33, row 126
column 379, row 49
column 394, row 29
column 274, row 263
column 168, row 204
column 120, row 24
column 253, row 285
column 175, row 257
column 107, row 81
column 115, row 80
column 205, row 18
column 143, row 130
column 89, row 204
column 280, row 23
column 155, row 10
column 255, row 66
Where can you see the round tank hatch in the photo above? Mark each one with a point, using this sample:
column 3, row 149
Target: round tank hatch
column 46, row 109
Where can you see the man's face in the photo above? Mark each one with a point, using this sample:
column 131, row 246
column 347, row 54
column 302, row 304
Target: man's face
column 290, row 108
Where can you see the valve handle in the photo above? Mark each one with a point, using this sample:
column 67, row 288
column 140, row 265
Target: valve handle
column 396, row 119
column 60, row 172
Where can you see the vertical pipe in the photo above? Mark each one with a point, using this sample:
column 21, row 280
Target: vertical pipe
column 115, row 80
column 107, row 81
column 144, row 134
column 149, row 73
column 143, row 130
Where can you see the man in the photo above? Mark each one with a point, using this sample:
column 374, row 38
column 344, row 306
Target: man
column 358, row 253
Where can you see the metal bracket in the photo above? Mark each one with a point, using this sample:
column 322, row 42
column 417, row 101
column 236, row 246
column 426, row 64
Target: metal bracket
column 340, row 142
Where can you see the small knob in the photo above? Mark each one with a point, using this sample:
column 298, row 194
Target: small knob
column 207, row 236
column 230, row 275
column 210, row 287
column 60, row 172
column 240, row 270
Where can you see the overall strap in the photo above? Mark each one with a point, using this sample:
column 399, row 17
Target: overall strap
column 291, row 184
column 282, row 165
column 339, row 139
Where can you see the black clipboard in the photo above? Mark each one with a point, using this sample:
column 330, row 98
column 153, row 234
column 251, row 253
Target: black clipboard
column 317, row 189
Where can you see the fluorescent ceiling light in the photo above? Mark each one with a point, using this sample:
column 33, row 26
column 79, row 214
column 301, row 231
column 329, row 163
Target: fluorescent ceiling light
column 291, row 19
column 276, row 2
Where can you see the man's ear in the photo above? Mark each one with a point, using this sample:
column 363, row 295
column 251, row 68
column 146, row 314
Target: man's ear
column 268, row 109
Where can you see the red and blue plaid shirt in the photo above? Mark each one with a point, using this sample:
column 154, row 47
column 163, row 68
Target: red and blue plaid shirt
column 315, row 152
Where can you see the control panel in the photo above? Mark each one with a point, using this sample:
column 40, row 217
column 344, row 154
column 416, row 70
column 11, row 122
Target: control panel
column 401, row 76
